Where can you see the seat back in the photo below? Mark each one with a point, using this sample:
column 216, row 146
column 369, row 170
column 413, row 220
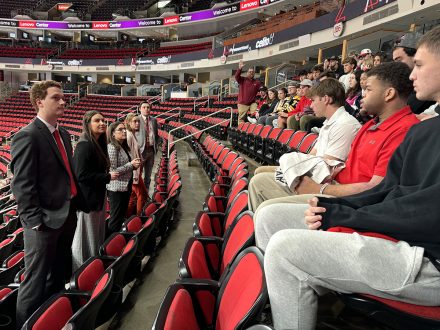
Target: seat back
column 258, row 129
column 265, row 131
column 243, row 292
column 193, row 262
column 55, row 317
column 85, row 278
column 274, row 133
column 123, row 253
column 239, row 186
column 285, row 136
column 176, row 311
column 296, row 139
column 238, row 205
column 85, row 317
column 226, row 163
column 307, row 143
column 239, row 236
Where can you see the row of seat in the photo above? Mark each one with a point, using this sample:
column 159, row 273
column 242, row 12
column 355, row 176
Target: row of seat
column 219, row 258
column 266, row 143
column 390, row 313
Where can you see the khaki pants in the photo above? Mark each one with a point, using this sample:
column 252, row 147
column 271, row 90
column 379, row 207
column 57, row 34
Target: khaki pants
column 292, row 123
column 243, row 110
column 265, row 191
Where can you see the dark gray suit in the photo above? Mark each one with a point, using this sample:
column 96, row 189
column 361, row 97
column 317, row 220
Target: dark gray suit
column 148, row 153
column 41, row 186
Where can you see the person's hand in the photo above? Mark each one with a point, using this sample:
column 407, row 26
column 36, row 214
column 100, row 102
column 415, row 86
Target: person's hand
column 240, row 64
column 297, row 116
column 313, row 220
column 136, row 163
column 307, row 186
column 114, row 175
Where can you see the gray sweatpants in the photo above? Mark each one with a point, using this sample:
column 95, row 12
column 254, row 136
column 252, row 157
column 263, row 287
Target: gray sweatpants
column 301, row 264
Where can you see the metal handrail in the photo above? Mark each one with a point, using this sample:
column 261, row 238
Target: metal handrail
column 10, row 208
column 173, row 109
column 199, row 131
column 157, row 100
column 281, row 84
column 118, row 115
column 198, row 98
column 5, row 197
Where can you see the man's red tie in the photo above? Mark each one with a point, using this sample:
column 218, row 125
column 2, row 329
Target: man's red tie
column 57, row 137
column 147, row 131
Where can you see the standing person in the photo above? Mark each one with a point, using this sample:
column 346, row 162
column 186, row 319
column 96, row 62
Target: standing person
column 47, row 196
column 119, row 189
column 138, row 193
column 148, row 138
column 91, row 165
column 247, row 93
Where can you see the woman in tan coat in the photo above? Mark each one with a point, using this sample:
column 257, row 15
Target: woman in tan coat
column 138, row 193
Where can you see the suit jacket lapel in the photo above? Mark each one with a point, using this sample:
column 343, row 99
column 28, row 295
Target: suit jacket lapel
column 50, row 139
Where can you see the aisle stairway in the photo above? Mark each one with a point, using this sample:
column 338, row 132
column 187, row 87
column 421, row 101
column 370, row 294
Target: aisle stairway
column 147, row 297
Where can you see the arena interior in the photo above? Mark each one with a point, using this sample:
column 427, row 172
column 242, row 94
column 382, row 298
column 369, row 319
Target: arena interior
column 232, row 87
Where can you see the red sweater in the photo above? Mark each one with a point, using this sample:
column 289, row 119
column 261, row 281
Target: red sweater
column 249, row 88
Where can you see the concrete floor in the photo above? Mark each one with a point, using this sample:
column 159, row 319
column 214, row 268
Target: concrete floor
column 142, row 304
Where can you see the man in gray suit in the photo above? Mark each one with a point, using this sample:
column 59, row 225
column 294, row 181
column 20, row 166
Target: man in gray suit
column 47, row 195
column 148, row 139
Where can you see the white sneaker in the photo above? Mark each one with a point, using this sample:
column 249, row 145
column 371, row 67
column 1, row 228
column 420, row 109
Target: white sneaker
column 315, row 130
column 252, row 120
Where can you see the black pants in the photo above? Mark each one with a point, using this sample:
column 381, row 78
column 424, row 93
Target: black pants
column 48, row 263
column 118, row 208
column 315, row 122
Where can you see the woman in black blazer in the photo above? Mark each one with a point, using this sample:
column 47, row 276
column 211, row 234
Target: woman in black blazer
column 91, row 165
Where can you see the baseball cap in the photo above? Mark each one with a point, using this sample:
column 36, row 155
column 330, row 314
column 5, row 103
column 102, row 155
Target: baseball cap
column 306, row 82
column 409, row 40
column 365, row 51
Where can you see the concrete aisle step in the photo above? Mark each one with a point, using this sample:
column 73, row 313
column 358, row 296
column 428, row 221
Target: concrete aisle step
column 142, row 304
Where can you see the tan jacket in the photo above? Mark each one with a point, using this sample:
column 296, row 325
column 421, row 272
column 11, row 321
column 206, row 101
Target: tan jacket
column 135, row 152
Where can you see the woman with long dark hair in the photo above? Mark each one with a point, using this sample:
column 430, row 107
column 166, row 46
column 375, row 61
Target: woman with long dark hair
column 119, row 189
column 354, row 93
column 91, row 164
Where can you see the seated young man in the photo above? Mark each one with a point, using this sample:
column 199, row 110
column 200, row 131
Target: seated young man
column 388, row 87
column 302, row 264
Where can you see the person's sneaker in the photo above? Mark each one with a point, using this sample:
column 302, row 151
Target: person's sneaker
column 315, row 130
column 252, row 120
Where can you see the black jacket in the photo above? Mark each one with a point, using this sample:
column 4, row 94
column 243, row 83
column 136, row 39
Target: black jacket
column 416, row 105
column 92, row 174
column 267, row 108
column 41, row 182
column 405, row 204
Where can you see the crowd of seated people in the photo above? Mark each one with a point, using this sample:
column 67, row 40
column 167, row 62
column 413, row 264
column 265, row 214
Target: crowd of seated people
column 348, row 217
